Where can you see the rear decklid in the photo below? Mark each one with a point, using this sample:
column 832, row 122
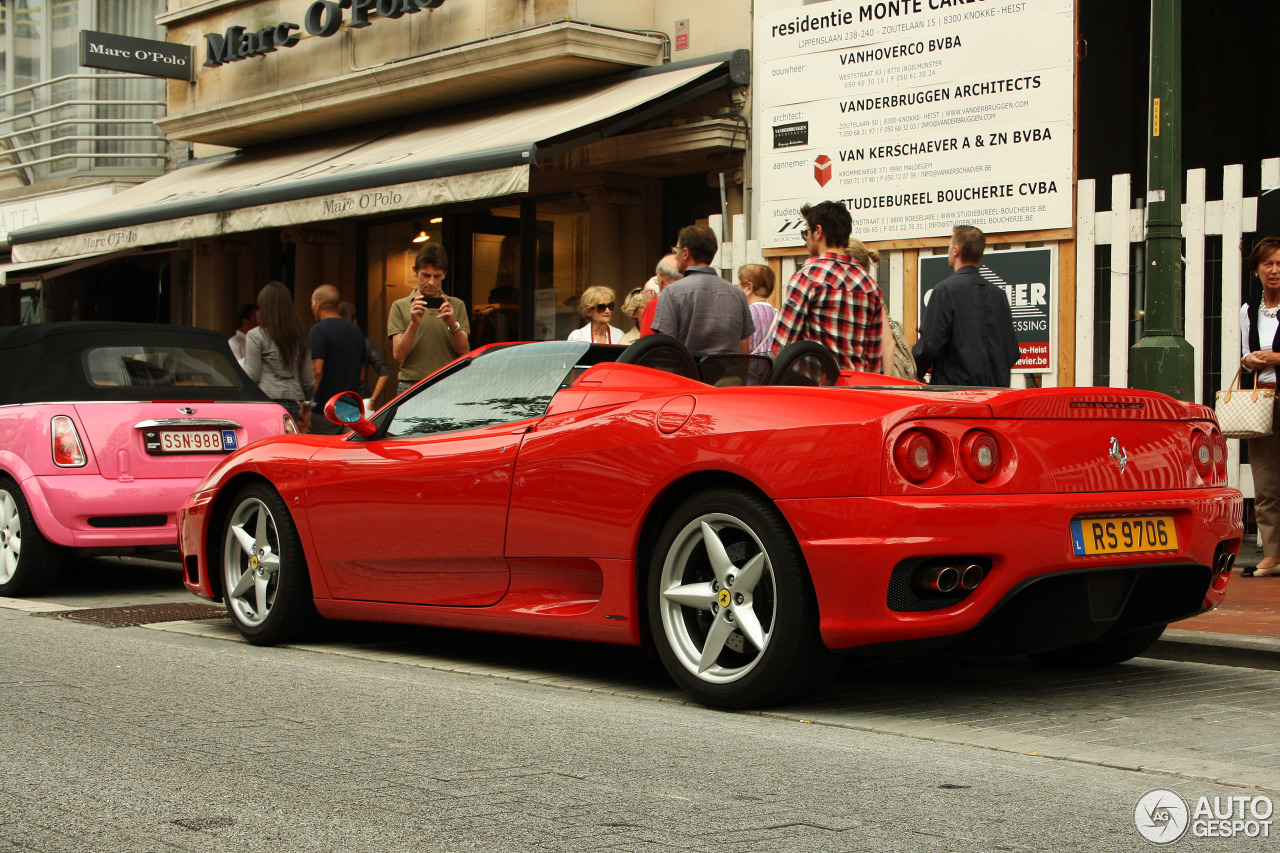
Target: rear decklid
column 1060, row 440
column 171, row 439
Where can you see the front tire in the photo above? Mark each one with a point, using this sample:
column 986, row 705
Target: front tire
column 29, row 563
column 1105, row 652
column 731, row 609
column 264, row 572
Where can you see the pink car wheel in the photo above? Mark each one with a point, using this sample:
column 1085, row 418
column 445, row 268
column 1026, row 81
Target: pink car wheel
column 29, row 563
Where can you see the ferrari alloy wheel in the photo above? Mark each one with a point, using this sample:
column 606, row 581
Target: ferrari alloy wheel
column 264, row 574
column 1110, row 650
column 29, row 563
column 731, row 609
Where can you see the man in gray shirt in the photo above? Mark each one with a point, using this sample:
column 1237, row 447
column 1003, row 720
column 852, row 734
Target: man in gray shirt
column 706, row 312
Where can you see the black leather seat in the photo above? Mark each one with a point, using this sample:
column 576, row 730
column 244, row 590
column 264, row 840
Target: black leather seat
column 724, row 369
column 803, row 363
column 661, row 352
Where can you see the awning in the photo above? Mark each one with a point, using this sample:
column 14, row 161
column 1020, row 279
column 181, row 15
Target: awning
column 456, row 156
column 48, row 268
column 57, row 267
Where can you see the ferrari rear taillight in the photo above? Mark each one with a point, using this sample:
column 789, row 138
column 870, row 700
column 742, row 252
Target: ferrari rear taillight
column 980, row 454
column 916, row 455
column 1202, row 454
column 1219, row 445
column 68, row 452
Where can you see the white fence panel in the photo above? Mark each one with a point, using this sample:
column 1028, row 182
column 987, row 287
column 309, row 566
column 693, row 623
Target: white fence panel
column 1230, row 218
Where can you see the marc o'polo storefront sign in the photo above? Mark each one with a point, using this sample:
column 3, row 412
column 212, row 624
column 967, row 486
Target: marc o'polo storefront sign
column 135, row 55
column 323, row 18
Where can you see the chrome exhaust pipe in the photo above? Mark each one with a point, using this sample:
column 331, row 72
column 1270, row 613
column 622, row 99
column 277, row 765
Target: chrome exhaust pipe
column 970, row 576
column 936, row 579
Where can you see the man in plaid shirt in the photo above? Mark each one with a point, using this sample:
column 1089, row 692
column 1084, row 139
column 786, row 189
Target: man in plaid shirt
column 831, row 299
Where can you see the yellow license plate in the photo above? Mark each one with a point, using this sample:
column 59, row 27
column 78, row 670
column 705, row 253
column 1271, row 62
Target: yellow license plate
column 1127, row 535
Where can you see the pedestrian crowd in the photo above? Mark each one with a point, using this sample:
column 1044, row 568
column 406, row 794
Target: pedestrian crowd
column 966, row 334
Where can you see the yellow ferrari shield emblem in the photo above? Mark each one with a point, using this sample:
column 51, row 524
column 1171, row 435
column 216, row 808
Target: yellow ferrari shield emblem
column 724, row 598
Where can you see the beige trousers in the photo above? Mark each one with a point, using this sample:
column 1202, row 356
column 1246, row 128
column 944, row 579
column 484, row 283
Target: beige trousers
column 1264, row 457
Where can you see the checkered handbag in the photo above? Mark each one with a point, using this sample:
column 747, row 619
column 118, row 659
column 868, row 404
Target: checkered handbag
column 1244, row 412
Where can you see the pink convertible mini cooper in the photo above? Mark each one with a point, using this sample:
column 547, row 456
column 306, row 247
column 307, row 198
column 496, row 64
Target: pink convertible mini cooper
column 105, row 428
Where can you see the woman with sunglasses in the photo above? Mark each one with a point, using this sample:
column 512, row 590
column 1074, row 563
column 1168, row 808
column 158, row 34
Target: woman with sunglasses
column 596, row 307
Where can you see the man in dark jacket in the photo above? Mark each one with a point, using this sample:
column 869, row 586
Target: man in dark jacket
column 337, row 356
column 967, row 337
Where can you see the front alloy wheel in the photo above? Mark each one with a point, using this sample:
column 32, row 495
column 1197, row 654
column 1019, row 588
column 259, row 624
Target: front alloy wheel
column 731, row 609
column 264, row 574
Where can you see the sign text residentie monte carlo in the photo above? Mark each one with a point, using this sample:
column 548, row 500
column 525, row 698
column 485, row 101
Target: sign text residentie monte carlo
column 918, row 114
column 323, row 18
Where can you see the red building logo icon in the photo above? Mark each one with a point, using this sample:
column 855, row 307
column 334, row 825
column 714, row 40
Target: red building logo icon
column 822, row 170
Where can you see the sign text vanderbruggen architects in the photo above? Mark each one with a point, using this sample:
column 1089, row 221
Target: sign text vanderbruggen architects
column 918, row 114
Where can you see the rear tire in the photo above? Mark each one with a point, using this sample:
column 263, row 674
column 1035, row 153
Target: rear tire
column 29, row 563
column 731, row 609
column 264, row 572
column 1105, row 652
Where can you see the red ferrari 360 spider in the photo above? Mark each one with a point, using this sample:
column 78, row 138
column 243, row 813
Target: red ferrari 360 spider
column 747, row 518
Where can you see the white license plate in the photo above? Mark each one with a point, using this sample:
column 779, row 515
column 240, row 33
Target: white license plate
column 197, row 441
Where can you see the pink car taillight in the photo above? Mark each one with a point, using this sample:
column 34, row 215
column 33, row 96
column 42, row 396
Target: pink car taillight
column 68, row 452
column 289, row 426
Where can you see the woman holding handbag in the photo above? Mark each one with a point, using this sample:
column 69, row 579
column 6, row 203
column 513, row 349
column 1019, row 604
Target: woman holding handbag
column 1259, row 325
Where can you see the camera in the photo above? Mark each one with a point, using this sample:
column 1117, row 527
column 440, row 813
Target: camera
column 432, row 302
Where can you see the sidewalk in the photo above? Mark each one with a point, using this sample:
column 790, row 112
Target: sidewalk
column 1244, row 631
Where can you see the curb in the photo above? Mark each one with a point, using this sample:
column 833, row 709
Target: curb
column 1220, row 649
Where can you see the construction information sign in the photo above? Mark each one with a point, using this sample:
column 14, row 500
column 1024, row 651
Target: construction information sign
column 1027, row 279
column 918, row 114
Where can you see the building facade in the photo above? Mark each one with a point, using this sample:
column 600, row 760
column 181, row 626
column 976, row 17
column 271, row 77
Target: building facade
column 549, row 146
column 72, row 137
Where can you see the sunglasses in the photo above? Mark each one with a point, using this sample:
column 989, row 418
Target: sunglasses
column 675, row 250
column 603, row 306
column 638, row 290
column 804, row 234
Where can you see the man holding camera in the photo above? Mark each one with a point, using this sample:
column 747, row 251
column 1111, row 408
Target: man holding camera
column 428, row 329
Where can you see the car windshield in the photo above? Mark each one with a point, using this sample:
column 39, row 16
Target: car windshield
column 158, row 366
column 500, row 386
